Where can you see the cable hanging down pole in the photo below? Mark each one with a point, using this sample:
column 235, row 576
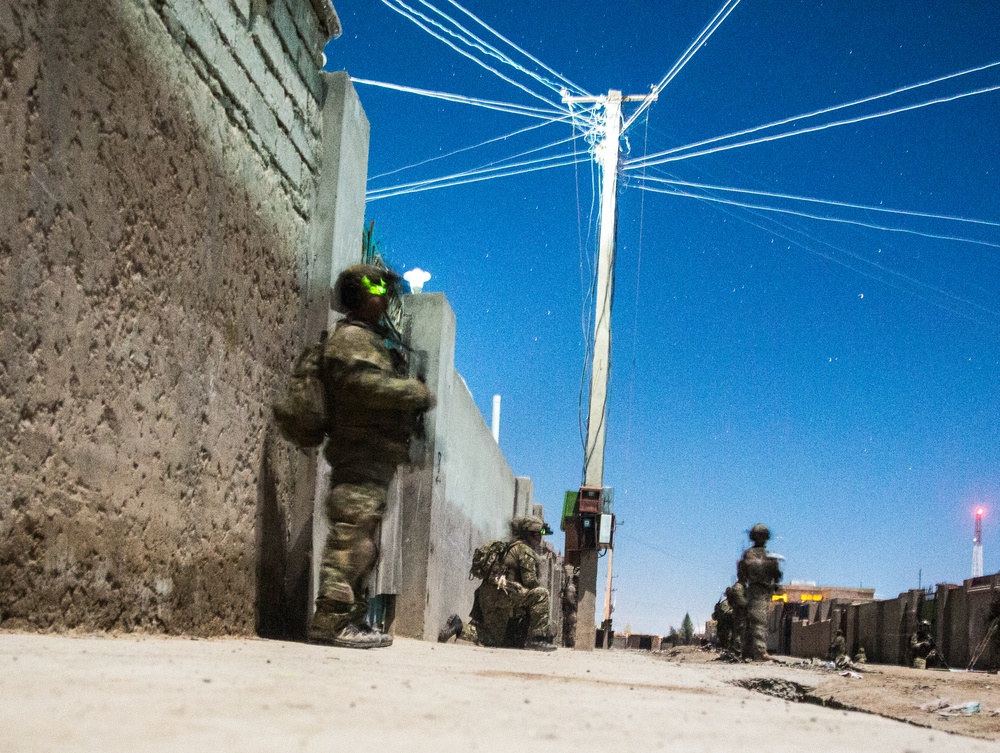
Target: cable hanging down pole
column 608, row 154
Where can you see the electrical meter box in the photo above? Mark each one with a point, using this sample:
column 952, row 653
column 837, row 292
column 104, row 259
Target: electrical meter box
column 590, row 500
column 581, row 532
column 606, row 531
column 588, row 520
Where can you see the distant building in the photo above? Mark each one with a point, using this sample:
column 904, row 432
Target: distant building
column 804, row 600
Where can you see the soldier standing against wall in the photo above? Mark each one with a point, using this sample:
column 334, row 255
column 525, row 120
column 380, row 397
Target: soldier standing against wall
column 373, row 408
column 759, row 570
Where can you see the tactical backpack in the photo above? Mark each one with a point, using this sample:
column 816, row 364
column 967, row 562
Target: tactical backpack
column 301, row 414
column 486, row 558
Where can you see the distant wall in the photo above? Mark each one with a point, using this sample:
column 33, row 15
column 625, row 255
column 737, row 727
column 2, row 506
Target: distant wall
column 957, row 614
column 961, row 621
column 811, row 640
column 177, row 185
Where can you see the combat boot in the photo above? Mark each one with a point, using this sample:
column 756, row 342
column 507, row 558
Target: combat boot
column 384, row 639
column 452, row 629
column 326, row 626
column 353, row 636
column 538, row 643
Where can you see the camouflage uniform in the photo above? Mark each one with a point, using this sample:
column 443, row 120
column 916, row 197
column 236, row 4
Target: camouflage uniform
column 737, row 599
column 922, row 644
column 723, row 616
column 838, row 650
column 759, row 570
column 511, row 590
column 374, row 410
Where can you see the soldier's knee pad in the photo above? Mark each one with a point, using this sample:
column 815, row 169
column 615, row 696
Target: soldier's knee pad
column 351, row 557
column 344, row 536
column 364, row 555
column 360, row 504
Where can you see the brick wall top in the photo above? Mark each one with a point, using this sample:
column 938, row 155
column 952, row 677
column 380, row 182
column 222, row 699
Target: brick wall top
column 328, row 19
column 263, row 61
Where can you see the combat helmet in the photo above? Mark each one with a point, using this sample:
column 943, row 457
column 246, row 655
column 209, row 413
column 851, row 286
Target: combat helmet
column 527, row 524
column 360, row 278
column 760, row 534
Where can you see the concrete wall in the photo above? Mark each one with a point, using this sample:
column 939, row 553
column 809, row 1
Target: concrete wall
column 958, row 615
column 643, row 642
column 869, row 622
column 812, row 640
column 961, row 621
column 461, row 493
column 551, row 575
column 176, row 189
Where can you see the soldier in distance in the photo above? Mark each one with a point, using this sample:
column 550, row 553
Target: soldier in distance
column 761, row 574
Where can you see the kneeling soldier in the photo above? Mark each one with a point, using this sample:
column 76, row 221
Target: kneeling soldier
column 511, row 609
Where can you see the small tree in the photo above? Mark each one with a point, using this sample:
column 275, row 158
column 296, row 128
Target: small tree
column 687, row 630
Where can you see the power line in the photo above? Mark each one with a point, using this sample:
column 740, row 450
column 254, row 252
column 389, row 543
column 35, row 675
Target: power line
column 532, row 58
column 487, row 48
column 413, row 15
column 827, row 202
column 863, row 260
column 470, row 148
column 864, row 272
column 481, row 45
column 531, row 112
column 635, row 324
column 728, row 7
column 665, row 156
column 388, row 193
column 815, row 113
column 490, row 166
column 820, row 217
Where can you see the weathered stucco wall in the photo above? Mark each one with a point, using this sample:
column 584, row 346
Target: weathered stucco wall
column 475, row 507
column 158, row 272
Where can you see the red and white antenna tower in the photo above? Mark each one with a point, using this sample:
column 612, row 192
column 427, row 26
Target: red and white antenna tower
column 977, row 545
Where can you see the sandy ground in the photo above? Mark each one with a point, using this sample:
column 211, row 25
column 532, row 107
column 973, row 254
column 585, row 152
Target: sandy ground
column 161, row 694
column 889, row 691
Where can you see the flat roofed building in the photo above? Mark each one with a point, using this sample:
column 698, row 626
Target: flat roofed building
column 796, row 593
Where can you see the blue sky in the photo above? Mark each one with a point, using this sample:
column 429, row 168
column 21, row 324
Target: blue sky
column 835, row 381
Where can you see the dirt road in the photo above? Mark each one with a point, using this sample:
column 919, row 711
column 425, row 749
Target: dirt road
column 107, row 694
column 926, row 698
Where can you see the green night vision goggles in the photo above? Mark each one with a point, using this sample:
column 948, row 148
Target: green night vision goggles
column 378, row 288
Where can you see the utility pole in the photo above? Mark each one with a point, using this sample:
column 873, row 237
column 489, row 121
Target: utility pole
column 606, row 625
column 608, row 156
